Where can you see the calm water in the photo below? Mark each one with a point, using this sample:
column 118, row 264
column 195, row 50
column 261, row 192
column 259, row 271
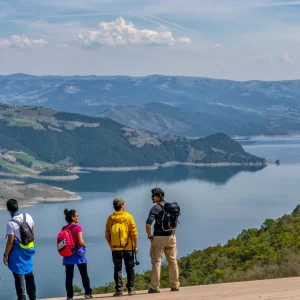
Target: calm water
column 217, row 203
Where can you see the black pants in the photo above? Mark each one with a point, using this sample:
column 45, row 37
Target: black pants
column 84, row 276
column 23, row 282
column 129, row 266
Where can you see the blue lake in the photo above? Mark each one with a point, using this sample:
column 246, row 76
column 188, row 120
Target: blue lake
column 217, row 203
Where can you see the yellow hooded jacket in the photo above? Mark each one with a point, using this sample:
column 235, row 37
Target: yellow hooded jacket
column 127, row 219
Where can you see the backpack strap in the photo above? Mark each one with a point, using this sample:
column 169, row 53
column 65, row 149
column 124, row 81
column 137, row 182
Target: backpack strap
column 161, row 205
column 71, row 228
column 20, row 223
column 16, row 221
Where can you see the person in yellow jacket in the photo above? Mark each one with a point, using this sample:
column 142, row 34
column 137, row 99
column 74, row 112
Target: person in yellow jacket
column 122, row 237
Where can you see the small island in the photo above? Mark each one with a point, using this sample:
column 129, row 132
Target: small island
column 31, row 194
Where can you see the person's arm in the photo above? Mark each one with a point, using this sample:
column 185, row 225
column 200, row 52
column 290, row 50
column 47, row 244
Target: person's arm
column 32, row 230
column 9, row 244
column 148, row 230
column 134, row 234
column 107, row 232
column 149, row 222
column 80, row 239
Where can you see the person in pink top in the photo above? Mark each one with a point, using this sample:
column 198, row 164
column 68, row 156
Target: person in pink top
column 78, row 258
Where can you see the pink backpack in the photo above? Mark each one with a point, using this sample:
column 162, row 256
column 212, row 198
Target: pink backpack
column 65, row 242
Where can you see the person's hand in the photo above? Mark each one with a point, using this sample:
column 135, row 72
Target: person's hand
column 136, row 250
column 5, row 260
column 150, row 238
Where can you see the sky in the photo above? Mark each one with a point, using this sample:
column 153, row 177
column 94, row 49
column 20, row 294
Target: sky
column 232, row 39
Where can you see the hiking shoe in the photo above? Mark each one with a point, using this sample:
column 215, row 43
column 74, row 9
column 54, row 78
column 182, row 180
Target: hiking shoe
column 131, row 292
column 174, row 289
column 118, row 294
column 88, row 296
column 153, row 291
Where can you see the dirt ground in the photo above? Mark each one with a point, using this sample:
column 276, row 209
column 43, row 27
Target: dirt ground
column 285, row 289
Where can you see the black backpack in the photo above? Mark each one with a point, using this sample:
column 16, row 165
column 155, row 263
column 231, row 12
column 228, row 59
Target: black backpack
column 25, row 231
column 171, row 213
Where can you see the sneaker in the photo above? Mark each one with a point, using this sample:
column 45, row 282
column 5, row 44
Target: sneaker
column 153, row 291
column 131, row 292
column 88, row 296
column 118, row 294
column 174, row 289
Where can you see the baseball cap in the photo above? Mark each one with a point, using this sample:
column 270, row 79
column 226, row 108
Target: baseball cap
column 118, row 202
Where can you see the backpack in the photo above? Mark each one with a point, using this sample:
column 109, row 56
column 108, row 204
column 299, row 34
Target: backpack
column 65, row 242
column 25, row 231
column 119, row 235
column 171, row 212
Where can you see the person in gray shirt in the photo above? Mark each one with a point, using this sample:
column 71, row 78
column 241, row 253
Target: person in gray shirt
column 161, row 242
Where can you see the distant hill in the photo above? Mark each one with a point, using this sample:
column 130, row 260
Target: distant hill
column 165, row 119
column 78, row 140
column 203, row 105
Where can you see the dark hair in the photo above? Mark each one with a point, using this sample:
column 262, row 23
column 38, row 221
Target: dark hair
column 159, row 193
column 117, row 207
column 12, row 205
column 69, row 214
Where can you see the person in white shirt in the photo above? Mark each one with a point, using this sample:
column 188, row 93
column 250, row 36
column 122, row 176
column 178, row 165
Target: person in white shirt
column 19, row 250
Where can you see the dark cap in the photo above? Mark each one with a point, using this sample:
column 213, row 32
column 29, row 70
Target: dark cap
column 118, row 202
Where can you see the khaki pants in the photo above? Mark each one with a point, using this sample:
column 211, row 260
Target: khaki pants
column 167, row 245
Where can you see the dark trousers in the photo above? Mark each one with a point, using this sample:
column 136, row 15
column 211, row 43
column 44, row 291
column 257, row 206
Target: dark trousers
column 129, row 267
column 84, row 276
column 25, row 283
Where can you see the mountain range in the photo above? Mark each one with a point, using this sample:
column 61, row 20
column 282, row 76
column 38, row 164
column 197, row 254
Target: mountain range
column 70, row 139
column 185, row 106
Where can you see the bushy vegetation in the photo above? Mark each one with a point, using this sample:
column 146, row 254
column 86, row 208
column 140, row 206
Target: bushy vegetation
column 272, row 251
column 56, row 172
column 25, row 163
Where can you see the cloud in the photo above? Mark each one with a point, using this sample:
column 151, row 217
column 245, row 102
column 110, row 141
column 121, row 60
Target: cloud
column 218, row 45
column 22, row 42
column 275, row 59
column 184, row 40
column 268, row 58
column 285, row 57
column 120, row 33
column 62, row 46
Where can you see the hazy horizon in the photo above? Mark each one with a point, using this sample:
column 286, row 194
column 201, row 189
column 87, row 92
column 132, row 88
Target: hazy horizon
column 252, row 39
column 143, row 76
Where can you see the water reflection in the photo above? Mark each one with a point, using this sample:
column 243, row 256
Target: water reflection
column 114, row 181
